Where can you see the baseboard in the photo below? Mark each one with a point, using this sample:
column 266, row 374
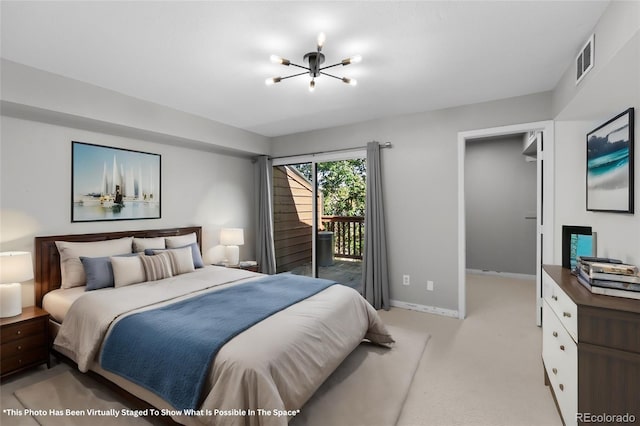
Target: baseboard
column 502, row 274
column 424, row 308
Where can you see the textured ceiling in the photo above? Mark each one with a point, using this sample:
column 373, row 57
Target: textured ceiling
column 212, row 58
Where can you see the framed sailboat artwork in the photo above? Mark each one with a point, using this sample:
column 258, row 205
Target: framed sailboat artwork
column 110, row 183
column 610, row 165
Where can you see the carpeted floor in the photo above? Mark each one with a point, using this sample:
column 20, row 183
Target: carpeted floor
column 485, row 370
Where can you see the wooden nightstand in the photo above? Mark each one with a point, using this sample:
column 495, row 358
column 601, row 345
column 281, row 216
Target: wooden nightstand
column 24, row 341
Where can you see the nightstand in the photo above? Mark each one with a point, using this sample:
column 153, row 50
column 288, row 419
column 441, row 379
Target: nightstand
column 24, row 341
column 252, row 268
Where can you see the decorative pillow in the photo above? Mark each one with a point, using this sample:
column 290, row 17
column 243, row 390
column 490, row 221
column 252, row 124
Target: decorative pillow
column 127, row 271
column 157, row 267
column 142, row 244
column 181, row 240
column 181, row 259
column 195, row 252
column 98, row 271
column 70, row 265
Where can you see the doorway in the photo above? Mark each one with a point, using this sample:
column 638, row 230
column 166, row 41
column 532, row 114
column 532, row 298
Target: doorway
column 318, row 209
column 543, row 138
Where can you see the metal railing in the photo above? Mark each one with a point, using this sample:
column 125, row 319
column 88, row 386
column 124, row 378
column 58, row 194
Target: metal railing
column 348, row 235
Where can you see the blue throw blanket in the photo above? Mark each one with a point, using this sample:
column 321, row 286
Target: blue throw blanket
column 169, row 350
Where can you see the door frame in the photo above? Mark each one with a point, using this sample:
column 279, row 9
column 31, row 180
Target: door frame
column 544, row 232
column 314, row 159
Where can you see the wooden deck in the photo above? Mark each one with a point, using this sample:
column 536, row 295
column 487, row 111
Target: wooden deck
column 347, row 272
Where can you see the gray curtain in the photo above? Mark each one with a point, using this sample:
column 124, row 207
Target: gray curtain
column 375, row 273
column 265, row 250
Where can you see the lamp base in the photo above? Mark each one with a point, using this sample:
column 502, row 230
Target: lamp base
column 10, row 300
column 233, row 255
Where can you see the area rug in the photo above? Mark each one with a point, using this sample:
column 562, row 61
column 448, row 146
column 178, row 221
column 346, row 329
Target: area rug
column 369, row 388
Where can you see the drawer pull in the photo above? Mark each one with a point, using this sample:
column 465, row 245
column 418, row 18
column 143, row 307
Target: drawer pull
column 19, row 332
column 555, row 334
column 555, row 370
column 554, row 297
column 561, row 387
column 566, row 314
column 562, row 347
column 19, row 347
column 19, row 361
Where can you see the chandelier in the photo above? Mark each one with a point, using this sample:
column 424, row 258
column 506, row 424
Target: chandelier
column 315, row 70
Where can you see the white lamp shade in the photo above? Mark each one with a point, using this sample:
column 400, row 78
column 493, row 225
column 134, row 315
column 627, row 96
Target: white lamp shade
column 15, row 267
column 232, row 236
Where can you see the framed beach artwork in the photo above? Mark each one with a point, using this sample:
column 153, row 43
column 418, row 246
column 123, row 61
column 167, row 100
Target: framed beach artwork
column 610, row 165
column 114, row 184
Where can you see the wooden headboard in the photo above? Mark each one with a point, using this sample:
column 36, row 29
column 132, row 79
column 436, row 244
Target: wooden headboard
column 48, row 259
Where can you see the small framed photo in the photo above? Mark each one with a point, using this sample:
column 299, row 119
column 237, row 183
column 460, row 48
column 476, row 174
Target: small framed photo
column 577, row 241
column 610, row 165
column 110, row 183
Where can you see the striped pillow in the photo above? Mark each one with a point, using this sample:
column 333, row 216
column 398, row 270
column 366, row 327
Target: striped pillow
column 181, row 259
column 157, row 267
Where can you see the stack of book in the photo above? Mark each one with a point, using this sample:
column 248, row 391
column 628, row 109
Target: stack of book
column 610, row 277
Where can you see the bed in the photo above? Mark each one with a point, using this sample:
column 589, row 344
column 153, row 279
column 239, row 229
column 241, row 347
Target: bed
column 261, row 376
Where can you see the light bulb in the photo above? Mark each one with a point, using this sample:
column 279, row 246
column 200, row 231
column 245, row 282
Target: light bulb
column 278, row 60
column 350, row 81
column 272, row 80
column 321, row 39
column 356, row 59
column 312, row 85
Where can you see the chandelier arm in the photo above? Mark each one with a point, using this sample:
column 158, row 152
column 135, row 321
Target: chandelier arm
column 329, row 75
column 294, row 75
column 331, row 66
column 300, row 66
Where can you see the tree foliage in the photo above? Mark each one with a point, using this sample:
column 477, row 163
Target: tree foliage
column 342, row 184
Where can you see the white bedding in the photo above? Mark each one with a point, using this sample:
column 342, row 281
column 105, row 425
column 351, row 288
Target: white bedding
column 58, row 302
column 277, row 364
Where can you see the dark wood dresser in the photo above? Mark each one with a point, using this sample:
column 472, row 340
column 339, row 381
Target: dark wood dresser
column 591, row 351
column 24, row 341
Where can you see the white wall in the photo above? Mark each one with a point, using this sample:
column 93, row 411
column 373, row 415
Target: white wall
column 612, row 86
column 420, row 183
column 500, row 193
column 198, row 188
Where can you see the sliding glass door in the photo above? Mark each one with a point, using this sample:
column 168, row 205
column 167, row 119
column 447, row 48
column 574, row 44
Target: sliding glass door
column 319, row 217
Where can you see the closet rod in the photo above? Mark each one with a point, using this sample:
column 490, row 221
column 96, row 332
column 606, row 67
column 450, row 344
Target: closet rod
column 382, row 145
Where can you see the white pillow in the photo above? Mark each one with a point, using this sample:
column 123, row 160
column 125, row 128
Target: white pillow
column 142, row 244
column 71, row 267
column 127, row 271
column 181, row 240
column 181, row 259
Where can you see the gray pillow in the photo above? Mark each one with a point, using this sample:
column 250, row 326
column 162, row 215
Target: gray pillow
column 99, row 271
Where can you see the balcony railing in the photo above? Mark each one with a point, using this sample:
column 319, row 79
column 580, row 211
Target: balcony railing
column 348, row 235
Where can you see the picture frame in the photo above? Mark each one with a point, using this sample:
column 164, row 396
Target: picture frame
column 577, row 241
column 610, row 165
column 109, row 183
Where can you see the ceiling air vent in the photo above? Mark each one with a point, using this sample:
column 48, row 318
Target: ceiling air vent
column 584, row 60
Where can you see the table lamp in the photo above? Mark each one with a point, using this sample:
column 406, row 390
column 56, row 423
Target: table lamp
column 15, row 267
column 232, row 238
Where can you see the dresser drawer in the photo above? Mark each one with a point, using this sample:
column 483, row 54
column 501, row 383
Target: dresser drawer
column 24, row 329
column 561, row 304
column 560, row 355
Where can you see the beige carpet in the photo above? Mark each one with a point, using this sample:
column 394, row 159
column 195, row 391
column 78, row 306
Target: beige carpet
column 370, row 378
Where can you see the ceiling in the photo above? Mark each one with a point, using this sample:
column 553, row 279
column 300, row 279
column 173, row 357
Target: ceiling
column 211, row 58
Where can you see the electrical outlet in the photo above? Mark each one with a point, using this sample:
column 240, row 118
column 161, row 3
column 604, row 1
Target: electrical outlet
column 429, row 285
column 406, row 280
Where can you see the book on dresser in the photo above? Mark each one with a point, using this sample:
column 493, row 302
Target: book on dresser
column 609, row 287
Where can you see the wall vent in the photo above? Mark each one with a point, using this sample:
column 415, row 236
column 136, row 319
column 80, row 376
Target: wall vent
column 584, row 60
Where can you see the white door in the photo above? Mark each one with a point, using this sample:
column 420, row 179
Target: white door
column 540, row 243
